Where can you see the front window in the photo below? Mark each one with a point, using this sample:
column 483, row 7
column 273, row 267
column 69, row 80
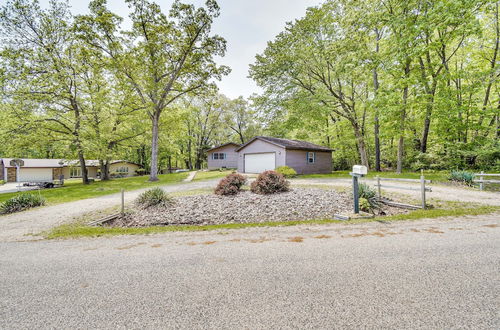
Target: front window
column 75, row 172
column 123, row 169
column 311, row 157
column 218, row 155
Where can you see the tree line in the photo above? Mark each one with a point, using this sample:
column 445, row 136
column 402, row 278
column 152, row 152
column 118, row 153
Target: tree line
column 83, row 86
column 399, row 84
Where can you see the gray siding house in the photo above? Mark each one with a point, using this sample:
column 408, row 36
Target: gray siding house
column 264, row 153
column 223, row 156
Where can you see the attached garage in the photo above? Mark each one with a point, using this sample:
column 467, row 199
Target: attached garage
column 34, row 174
column 260, row 162
column 264, row 153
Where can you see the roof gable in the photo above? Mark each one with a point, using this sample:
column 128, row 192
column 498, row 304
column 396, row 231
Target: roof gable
column 288, row 144
column 224, row 145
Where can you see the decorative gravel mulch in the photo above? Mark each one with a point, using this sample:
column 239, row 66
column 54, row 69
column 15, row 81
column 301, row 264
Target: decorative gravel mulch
column 245, row 207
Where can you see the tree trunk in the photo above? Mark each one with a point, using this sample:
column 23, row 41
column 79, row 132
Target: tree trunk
column 360, row 141
column 427, row 125
column 153, row 176
column 104, row 164
column 376, row 126
column 399, row 166
column 83, row 167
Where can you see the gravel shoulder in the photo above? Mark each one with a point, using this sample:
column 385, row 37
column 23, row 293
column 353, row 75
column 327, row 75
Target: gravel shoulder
column 425, row 274
column 439, row 192
column 28, row 224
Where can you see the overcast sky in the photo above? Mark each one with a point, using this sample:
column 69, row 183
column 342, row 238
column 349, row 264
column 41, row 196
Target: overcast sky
column 247, row 25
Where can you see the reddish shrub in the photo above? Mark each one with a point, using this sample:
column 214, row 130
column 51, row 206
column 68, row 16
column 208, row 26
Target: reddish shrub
column 231, row 184
column 270, row 182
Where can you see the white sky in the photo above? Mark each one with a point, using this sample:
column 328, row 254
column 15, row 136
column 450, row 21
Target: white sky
column 247, row 25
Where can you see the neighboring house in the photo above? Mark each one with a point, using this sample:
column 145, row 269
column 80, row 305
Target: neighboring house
column 51, row 169
column 267, row 153
column 223, row 156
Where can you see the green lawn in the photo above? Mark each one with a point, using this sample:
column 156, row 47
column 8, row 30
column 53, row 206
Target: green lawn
column 79, row 229
column 75, row 190
column 436, row 176
column 207, row 175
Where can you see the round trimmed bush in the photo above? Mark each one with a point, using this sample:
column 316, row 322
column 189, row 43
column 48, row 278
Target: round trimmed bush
column 21, row 202
column 230, row 185
column 270, row 182
column 287, row 171
column 153, row 197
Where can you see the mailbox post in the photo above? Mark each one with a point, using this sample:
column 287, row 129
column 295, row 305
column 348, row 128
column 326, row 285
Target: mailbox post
column 358, row 171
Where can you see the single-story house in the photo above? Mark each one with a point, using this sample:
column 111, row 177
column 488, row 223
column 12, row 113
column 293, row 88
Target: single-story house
column 223, row 156
column 264, row 153
column 51, row 169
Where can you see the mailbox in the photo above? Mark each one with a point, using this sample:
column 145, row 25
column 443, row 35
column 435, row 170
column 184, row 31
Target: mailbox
column 359, row 170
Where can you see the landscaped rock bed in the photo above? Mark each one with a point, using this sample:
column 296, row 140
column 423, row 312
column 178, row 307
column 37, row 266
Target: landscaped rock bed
column 245, row 207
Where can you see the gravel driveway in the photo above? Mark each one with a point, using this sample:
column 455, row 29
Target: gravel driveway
column 440, row 192
column 429, row 274
column 26, row 225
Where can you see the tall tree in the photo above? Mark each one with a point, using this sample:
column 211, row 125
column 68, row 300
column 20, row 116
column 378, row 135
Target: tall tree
column 43, row 66
column 162, row 57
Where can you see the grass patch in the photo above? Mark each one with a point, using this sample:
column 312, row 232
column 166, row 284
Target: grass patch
column 78, row 229
column 74, row 190
column 208, row 175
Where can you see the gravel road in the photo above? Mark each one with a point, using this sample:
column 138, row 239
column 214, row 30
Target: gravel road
column 439, row 192
column 26, row 225
column 428, row 274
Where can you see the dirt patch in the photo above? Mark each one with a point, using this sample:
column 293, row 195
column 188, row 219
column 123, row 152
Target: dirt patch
column 156, row 245
column 492, row 226
column 296, row 239
column 322, row 236
column 246, row 207
column 434, row 231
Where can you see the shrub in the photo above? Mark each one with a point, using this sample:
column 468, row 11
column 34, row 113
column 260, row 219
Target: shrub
column 365, row 191
column 153, row 197
column 462, row 177
column 140, row 171
column 287, row 171
column 367, row 198
column 270, row 182
column 365, row 205
column 231, row 184
column 21, row 202
column 2, row 182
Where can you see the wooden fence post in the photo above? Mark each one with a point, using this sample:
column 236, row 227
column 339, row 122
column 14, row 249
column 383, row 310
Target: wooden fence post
column 379, row 192
column 481, row 184
column 123, row 202
column 422, row 189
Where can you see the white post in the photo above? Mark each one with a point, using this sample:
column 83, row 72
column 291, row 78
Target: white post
column 422, row 188
column 123, row 202
column 379, row 188
column 481, row 184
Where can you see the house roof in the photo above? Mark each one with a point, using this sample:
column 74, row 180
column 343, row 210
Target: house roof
column 223, row 145
column 35, row 162
column 288, row 144
column 54, row 163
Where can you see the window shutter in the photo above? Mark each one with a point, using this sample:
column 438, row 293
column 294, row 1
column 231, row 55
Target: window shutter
column 314, row 157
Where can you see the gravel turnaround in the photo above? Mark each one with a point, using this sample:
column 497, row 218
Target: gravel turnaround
column 427, row 274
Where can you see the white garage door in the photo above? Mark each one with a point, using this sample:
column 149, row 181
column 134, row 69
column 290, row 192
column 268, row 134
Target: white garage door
column 258, row 163
column 35, row 174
